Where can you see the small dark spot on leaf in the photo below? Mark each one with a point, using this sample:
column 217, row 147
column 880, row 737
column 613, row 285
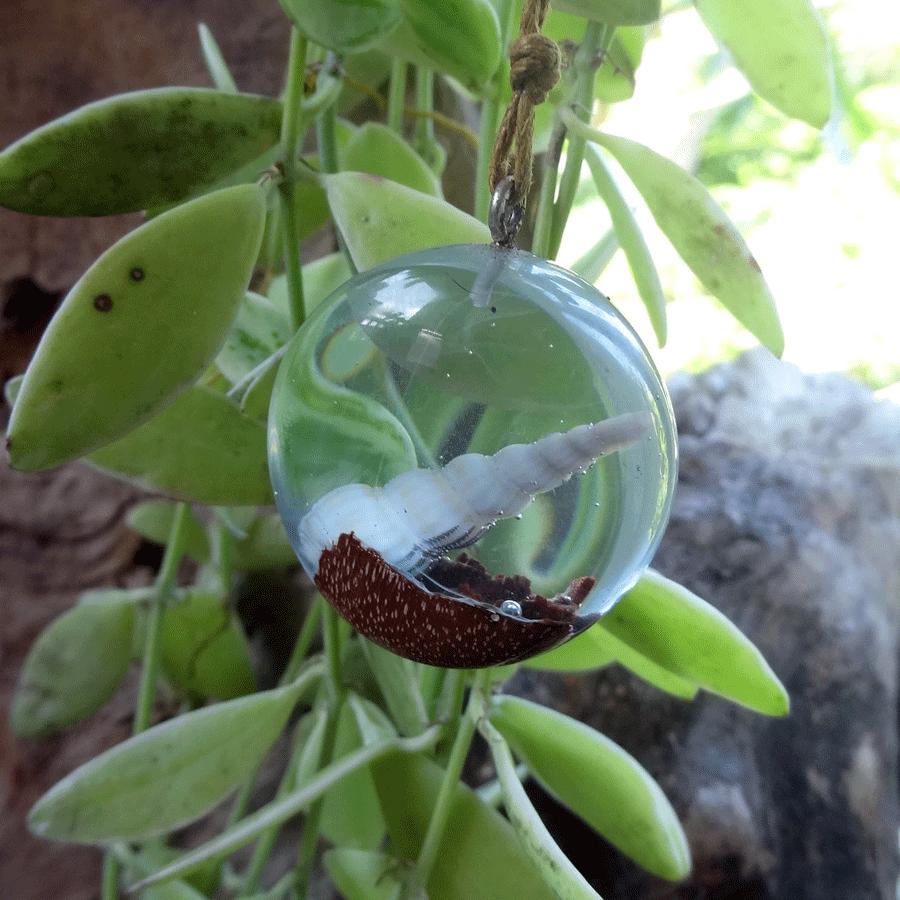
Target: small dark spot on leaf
column 57, row 385
column 137, row 274
column 719, row 230
column 103, row 302
column 493, row 309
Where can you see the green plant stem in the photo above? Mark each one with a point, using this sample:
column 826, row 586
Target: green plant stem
column 540, row 242
column 292, row 127
column 331, row 623
column 327, row 138
column 441, row 813
column 303, row 642
column 143, row 712
column 153, row 643
column 397, row 95
column 267, row 841
column 490, row 116
column 109, row 887
column 597, row 39
column 224, row 547
column 326, row 135
column 425, row 103
column 336, row 696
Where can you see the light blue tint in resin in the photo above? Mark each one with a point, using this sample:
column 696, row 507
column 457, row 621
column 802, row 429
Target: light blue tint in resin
column 467, row 350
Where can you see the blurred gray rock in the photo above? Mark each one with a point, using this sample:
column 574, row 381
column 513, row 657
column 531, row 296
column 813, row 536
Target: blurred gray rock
column 786, row 519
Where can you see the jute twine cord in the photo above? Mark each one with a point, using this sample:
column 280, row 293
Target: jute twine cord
column 534, row 71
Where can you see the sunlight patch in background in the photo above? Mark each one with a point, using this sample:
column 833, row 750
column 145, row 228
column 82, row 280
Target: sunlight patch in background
column 821, row 217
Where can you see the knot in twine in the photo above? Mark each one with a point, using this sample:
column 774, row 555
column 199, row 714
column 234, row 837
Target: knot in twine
column 534, row 66
column 534, row 71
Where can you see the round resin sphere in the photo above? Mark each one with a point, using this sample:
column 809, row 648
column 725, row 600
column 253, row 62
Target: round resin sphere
column 473, row 454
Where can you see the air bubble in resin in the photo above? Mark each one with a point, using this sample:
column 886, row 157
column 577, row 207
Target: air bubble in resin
column 473, row 454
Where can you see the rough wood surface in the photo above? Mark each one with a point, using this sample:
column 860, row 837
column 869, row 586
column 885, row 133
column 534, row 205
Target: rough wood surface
column 59, row 55
column 61, row 531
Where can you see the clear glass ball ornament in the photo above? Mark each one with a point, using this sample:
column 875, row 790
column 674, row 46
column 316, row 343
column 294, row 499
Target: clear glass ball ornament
column 473, row 454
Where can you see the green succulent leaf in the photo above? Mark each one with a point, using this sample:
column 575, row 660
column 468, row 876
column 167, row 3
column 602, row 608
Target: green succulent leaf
column 76, row 664
column 477, row 839
column 322, row 277
column 137, row 329
column 595, row 648
column 705, row 238
column 378, row 150
column 599, row 781
column 566, row 882
column 153, row 520
column 782, row 49
column 381, row 220
column 135, row 151
column 280, row 810
column 345, row 26
column 166, row 776
column 674, row 628
column 204, row 649
column 396, row 678
column 351, row 813
column 215, row 61
column 259, row 329
column 460, row 38
column 613, row 12
column 200, row 448
column 266, row 546
column 364, row 874
column 632, row 242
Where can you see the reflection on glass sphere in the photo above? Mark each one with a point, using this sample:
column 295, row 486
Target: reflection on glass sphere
column 473, row 454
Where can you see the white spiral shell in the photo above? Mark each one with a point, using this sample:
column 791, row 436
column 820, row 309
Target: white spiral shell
column 422, row 514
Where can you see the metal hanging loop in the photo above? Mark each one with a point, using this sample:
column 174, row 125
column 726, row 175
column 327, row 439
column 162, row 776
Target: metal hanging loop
column 504, row 215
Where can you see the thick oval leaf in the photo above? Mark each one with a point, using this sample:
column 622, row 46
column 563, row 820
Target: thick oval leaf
column 460, row 38
column 135, row 151
column 595, row 648
column 166, row 776
column 75, row 665
column 345, row 26
column 139, row 327
column 199, row 448
column 632, row 242
column 557, row 869
column 266, row 546
column 364, row 874
column 701, row 232
column 258, row 331
column 153, row 520
column 215, row 61
column 381, row 220
column 682, row 633
column 613, row 12
column 204, row 649
column 378, row 150
column 781, row 48
column 323, row 276
column 396, row 678
column 616, row 77
column 280, row 810
column 351, row 813
column 480, row 856
column 599, row 781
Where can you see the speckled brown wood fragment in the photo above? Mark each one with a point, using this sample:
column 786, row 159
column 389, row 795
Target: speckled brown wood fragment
column 437, row 629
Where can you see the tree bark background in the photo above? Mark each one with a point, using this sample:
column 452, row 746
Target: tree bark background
column 62, row 532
